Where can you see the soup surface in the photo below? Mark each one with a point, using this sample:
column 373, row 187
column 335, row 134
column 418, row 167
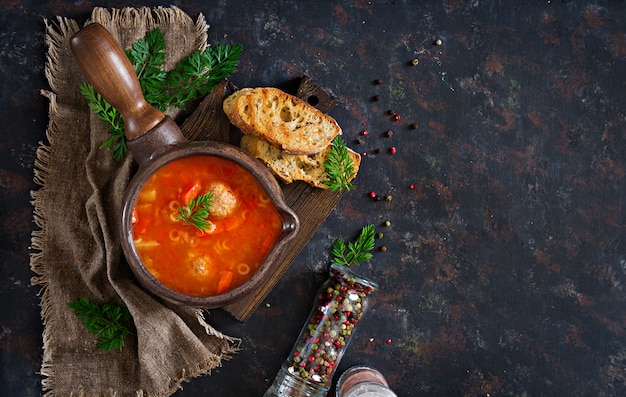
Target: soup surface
column 243, row 225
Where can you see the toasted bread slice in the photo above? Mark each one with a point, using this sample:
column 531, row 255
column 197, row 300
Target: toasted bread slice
column 293, row 167
column 283, row 120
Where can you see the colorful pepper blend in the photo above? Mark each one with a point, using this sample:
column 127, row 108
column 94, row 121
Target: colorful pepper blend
column 337, row 310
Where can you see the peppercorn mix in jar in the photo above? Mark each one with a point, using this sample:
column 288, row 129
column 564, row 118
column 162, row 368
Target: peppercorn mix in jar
column 337, row 310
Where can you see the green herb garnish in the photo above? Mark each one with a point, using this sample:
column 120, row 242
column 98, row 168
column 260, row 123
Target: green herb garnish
column 106, row 321
column 195, row 75
column 110, row 116
column 199, row 73
column 147, row 56
column 197, row 212
column 356, row 250
column 339, row 166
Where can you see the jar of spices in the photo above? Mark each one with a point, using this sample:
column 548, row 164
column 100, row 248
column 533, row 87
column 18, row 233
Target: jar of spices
column 363, row 381
column 337, row 310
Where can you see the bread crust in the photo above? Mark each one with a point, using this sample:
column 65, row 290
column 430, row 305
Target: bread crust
column 281, row 119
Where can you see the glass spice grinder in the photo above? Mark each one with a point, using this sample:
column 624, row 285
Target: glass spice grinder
column 337, row 310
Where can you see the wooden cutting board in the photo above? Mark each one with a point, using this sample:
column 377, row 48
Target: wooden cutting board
column 312, row 205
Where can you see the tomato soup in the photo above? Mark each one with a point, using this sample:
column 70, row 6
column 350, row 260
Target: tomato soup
column 243, row 225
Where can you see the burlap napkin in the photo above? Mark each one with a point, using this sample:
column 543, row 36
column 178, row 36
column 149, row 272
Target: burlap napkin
column 77, row 251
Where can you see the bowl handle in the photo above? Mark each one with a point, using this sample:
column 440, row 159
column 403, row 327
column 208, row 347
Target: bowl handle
column 106, row 66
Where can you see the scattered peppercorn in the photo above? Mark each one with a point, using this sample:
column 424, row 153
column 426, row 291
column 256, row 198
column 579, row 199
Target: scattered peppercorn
column 438, row 42
column 414, row 126
column 389, row 133
column 415, row 62
column 388, row 197
column 372, row 194
column 393, row 150
column 378, row 81
column 379, row 235
column 396, row 117
column 382, row 248
column 376, row 98
column 365, row 133
column 391, row 112
column 377, row 150
column 388, row 341
column 359, row 141
column 412, row 186
column 387, row 223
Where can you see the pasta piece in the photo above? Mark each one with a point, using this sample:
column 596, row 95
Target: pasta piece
column 174, row 205
column 139, row 243
column 243, row 269
column 174, row 235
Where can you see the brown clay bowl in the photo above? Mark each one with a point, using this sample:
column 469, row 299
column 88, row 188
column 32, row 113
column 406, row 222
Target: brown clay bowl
column 155, row 140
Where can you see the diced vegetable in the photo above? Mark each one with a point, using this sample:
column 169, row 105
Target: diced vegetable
column 190, row 192
column 226, row 279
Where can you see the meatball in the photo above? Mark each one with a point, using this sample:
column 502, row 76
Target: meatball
column 224, row 201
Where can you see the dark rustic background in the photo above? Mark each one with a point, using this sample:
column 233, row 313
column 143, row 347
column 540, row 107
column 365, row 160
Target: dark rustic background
column 505, row 265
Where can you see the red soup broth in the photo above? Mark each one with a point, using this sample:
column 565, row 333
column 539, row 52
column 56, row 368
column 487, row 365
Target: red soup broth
column 244, row 225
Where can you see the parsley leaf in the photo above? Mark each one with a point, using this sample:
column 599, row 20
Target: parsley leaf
column 199, row 73
column 106, row 321
column 111, row 117
column 197, row 212
column 357, row 251
column 148, row 58
column 339, row 166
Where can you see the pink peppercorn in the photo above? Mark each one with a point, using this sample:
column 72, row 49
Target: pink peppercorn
column 392, row 150
column 412, row 186
column 364, row 133
column 396, row 117
column 388, row 341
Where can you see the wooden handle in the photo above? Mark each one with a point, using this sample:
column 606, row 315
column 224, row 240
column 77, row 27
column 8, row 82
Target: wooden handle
column 108, row 69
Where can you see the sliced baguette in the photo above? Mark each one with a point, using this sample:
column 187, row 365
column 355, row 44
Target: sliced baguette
column 292, row 167
column 282, row 119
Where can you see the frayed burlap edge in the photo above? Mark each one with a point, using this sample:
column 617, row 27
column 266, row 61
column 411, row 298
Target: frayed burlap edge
column 64, row 28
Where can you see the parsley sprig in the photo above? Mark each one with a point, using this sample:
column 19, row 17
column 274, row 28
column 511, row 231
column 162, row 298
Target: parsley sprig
column 339, row 166
column 195, row 75
column 106, row 321
column 199, row 73
column 357, row 250
column 197, row 212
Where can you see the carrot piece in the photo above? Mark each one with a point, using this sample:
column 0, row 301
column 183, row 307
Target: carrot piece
column 190, row 192
column 226, row 279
